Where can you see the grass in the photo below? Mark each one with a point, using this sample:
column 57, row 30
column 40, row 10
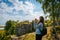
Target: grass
column 29, row 36
column 58, row 29
column 2, row 31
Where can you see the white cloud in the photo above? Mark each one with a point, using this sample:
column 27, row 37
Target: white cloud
column 27, row 8
column 4, row 8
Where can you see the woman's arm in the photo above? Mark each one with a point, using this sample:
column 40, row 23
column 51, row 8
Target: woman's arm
column 40, row 26
column 35, row 24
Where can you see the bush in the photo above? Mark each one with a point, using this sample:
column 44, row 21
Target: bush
column 58, row 29
column 10, row 27
column 4, row 37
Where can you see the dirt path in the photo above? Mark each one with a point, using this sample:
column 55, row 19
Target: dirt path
column 31, row 36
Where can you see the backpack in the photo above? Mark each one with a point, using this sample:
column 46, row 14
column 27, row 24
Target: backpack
column 44, row 31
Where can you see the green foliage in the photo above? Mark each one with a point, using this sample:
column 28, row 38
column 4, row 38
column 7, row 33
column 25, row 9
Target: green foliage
column 58, row 29
column 48, row 23
column 19, row 24
column 3, row 36
column 52, row 7
column 10, row 27
column 9, row 24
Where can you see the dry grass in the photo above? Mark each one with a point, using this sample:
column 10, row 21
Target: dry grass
column 31, row 36
column 2, row 31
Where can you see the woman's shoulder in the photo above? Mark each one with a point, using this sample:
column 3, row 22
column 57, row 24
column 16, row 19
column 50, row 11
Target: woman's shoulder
column 40, row 23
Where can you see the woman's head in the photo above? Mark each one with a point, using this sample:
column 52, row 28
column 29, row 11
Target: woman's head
column 41, row 19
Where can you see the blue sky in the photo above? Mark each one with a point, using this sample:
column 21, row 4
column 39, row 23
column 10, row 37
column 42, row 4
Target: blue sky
column 19, row 10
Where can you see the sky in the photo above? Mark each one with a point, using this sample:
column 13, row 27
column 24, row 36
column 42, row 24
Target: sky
column 19, row 10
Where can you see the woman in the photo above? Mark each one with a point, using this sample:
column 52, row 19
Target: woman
column 39, row 28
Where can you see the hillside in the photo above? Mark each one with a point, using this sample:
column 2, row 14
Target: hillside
column 31, row 36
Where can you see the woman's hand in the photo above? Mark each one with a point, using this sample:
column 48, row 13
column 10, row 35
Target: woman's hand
column 36, row 21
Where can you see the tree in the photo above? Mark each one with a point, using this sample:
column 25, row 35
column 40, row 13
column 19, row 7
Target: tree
column 53, row 8
column 26, row 21
column 9, row 27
